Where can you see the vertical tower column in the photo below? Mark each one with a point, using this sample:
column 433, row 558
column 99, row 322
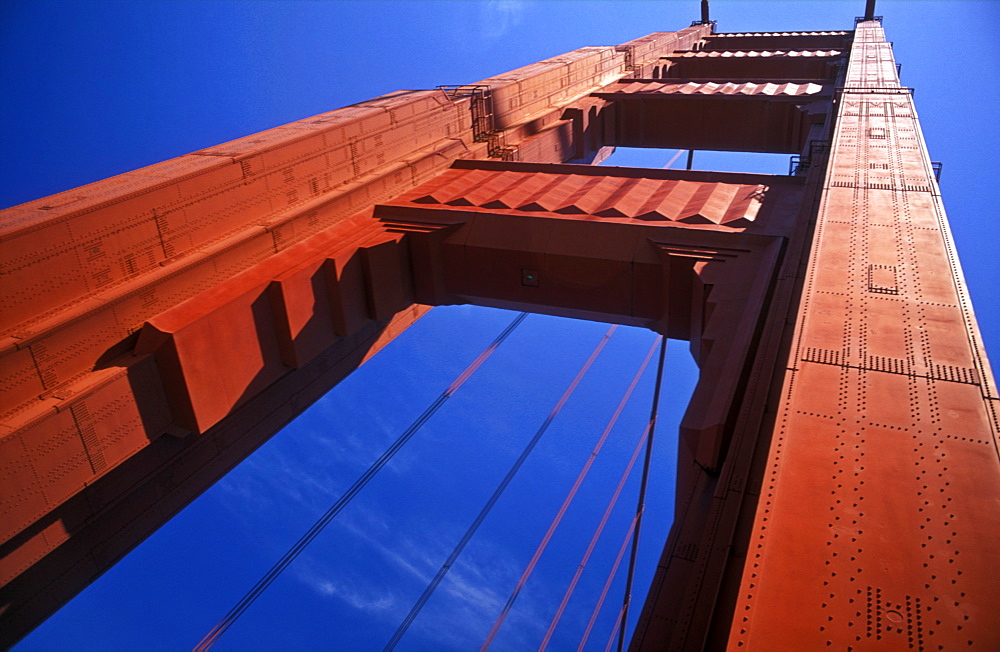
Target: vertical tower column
column 877, row 516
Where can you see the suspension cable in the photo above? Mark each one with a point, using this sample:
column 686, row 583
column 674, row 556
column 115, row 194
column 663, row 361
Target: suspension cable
column 593, row 543
column 566, row 502
column 604, row 591
column 653, row 412
column 425, row 596
column 346, row 498
column 621, row 618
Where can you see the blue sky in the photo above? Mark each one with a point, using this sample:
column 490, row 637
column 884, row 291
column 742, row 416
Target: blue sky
column 93, row 89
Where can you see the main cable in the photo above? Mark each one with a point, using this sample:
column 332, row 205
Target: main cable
column 641, row 506
column 566, row 502
column 346, row 498
column 460, row 546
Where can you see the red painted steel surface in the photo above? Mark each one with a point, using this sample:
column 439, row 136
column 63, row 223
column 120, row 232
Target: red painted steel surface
column 113, row 294
column 778, row 40
column 688, row 254
column 772, row 89
column 751, row 64
column 879, row 515
column 837, row 468
column 722, row 115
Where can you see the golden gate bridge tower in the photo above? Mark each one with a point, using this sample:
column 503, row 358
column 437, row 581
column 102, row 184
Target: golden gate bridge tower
column 838, row 467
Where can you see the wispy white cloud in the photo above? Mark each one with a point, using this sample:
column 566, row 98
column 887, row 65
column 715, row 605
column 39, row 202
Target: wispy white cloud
column 366, row 597
column 304, row 477
column 467, row 600
column 309, row 474
column 498, row 17
column 412, row 557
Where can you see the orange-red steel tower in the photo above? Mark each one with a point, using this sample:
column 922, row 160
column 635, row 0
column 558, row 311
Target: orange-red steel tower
column 838, row 464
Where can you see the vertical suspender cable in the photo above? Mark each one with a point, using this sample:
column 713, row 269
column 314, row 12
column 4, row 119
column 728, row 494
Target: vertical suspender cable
column 425, row 596
column 359, row 484
column 604, row 591
column 614, row 630
column 674, row 159
column 566, row 502
column 593, row 542
column 642, row 494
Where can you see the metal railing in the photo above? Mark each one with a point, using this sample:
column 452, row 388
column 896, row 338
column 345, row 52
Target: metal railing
column 483, row 123
column 799, row 164
column 481, row 106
